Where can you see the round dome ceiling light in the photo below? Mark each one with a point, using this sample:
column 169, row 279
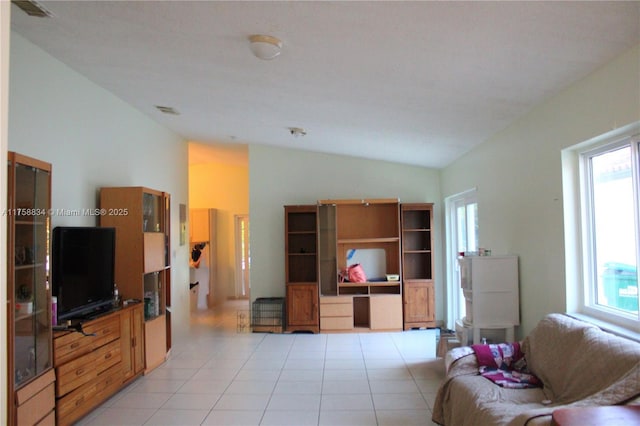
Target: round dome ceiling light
column 265, row 47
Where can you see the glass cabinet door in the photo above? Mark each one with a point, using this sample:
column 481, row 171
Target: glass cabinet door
column 327, row 247
column 28, row 232
column 155, row 226
column 152, row 212
column 152, row 295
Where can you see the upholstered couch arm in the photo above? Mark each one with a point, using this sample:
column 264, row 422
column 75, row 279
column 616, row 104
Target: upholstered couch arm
column 458, row 362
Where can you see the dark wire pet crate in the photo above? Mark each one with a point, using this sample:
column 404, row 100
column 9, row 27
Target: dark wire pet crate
column 267, row 314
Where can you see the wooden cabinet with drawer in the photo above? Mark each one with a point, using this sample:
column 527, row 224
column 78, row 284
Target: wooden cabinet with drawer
column 92, row 366
column 87, row 367
column 336, row 313
column 84, row 399
column 71, row 345
column 35, row 402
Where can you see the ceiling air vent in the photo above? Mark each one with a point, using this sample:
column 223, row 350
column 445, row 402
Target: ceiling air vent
column 167, row 110
column 32, row 8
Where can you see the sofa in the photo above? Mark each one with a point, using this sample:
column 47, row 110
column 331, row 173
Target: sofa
column 577, row 364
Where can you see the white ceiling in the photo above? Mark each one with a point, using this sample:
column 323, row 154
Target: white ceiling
column 411, row 82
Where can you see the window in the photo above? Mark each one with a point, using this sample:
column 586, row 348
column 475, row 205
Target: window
column 610, row 207
column 467, row 226
column 462, row 235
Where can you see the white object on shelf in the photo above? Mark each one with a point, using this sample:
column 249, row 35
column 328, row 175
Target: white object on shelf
column 193, row 297
column 490, row 287
column 201, row 275
column 24, row 308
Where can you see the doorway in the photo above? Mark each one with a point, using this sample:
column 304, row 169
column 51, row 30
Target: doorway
column 219, row 179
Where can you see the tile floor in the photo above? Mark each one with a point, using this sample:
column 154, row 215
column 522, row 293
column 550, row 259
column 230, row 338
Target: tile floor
column 218, row 376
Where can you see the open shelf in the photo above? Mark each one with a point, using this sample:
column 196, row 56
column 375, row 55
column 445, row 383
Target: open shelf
column 368, row 240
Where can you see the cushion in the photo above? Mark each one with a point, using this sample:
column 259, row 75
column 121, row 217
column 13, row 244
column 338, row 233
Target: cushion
column 480, row 402
column 575, row 359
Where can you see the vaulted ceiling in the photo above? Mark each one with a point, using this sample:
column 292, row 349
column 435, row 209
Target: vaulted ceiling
column 412, row 82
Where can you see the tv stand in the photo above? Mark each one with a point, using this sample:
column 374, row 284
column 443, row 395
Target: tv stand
column 73, row 327
column 95, row 358
column 91, row 314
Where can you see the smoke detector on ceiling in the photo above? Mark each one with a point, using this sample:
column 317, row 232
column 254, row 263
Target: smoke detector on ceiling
column 167, row 110
column 297, row 132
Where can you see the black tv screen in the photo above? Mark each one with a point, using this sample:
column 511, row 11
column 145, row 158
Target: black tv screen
column 82, row 270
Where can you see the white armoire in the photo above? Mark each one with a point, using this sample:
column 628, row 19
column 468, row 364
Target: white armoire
column 490, row 287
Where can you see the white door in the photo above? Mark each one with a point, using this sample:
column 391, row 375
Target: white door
column 462, row 236
column 243, row 257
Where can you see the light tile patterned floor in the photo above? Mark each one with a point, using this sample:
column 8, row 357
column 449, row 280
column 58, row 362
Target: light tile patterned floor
column 218, row 376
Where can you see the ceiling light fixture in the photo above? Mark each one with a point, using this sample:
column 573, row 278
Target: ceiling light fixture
column 297, row 132
column 265, row 47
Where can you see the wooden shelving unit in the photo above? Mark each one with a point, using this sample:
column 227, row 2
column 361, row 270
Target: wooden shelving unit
column 301, row 268
column 30, row 381
column 417, row 265
column 143, row 267
column 387, row 238
column 347, row 227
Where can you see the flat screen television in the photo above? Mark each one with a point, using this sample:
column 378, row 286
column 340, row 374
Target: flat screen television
column 82, row 270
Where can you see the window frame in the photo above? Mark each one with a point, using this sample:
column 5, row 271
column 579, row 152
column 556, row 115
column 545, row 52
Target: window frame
column 587, row 303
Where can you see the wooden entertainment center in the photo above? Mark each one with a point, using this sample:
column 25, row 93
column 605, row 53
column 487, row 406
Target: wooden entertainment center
column 57, row 377
column 97, row 362
column 393, row 241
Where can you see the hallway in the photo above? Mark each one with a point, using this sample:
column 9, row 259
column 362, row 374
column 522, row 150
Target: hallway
column 221, row 374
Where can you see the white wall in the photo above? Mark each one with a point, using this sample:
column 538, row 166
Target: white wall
column 94, row 139
column 519, row 178
column 279, row 177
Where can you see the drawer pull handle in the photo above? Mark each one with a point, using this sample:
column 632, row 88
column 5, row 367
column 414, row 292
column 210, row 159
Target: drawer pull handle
column 107, row 356
column 79, row 401
column 79, row 371
column 74, row 345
